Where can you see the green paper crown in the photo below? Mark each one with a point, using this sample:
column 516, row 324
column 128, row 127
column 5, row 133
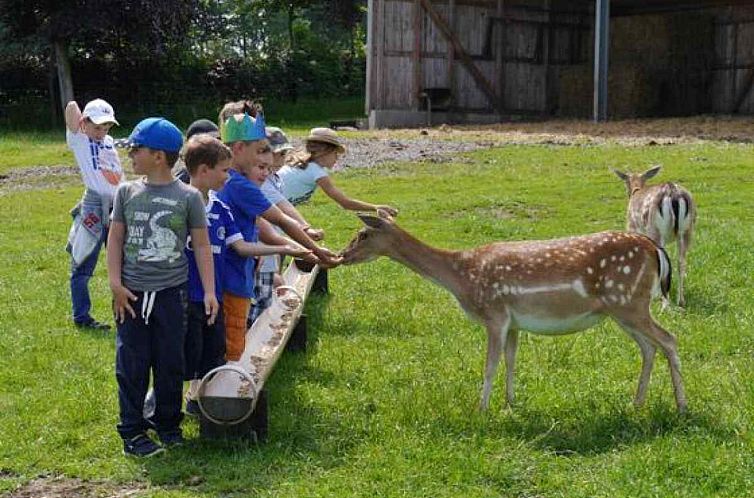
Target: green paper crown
column 247, row 129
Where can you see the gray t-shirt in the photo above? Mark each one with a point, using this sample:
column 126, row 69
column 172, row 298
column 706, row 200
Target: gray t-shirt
column 158, row 219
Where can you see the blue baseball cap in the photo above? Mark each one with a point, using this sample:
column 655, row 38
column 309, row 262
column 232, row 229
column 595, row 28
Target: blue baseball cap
column 157, row 134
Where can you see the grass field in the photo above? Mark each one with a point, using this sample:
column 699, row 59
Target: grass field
column 383, row 403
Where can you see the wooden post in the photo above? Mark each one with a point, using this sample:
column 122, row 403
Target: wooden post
column 546, row 58
column 376, row 50
column 499, row 43
column 452, row 54
column 734, row 60
column 601, row 49
column 369, row 81
column 416, row 56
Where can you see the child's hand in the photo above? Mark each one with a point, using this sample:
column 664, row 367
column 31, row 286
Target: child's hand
column 315, row 233
column 122, row 298
column 327, row 258
column 211, row 308
column 389, row 210
column 297, row 251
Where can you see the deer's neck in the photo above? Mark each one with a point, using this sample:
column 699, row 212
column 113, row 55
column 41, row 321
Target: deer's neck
column 429, row 262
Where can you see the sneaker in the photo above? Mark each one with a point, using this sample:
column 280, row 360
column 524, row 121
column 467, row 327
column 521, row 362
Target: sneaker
column 92, row 324
column 172, row 439
column 192, row 407
column 141, row 446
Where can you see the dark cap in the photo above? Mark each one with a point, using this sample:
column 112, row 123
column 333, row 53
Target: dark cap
column 202, row 126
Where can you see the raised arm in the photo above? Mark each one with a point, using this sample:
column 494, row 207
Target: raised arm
column 334, row 193
column 72, row 116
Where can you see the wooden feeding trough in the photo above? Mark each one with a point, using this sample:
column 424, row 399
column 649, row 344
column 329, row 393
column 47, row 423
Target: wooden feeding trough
column 231, row 397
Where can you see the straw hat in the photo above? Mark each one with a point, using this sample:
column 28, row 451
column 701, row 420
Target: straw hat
column 327, row 136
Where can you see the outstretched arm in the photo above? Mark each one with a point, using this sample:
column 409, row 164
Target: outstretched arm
column 289, row 209
column 334, row 193
column 293, row 229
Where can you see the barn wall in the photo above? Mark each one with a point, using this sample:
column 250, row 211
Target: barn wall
column 538, row 58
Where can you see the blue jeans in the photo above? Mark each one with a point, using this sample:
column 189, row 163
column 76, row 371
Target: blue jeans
column 80, row 275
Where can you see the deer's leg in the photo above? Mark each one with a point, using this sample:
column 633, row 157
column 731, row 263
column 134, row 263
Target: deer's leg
column 647, row 362
column 511, row 345
column 496, row 337
column 684, row 241
column 646, row 327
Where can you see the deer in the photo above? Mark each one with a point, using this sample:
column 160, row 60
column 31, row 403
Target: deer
column 665, row 213
column 548, row 287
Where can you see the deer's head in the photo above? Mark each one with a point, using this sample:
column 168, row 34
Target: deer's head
column 372, row 241
column 635, row 181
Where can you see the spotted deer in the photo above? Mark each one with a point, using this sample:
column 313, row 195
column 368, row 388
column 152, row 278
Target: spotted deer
column 549, row 287
column 664, row 213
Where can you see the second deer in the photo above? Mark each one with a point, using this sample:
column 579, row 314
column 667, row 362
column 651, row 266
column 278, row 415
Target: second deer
column 664, row 213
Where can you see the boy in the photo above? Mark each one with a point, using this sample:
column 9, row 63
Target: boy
column 246, row 138
column 99, row 165
column 267, row 276
column 207, row 162
column 148, row 270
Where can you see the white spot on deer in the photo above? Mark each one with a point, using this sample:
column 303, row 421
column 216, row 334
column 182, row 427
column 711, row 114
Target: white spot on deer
column 622, row 258
column 495, row 285
column 614, row 298
column 621, row 287
column 623, row 300
column 507, row 268
column 603, row 262
column 626, row 269
column 578, row 286
column 608, row 284
column 506, row 290
column 612, row 258
column 589, row 270
column 630, row 254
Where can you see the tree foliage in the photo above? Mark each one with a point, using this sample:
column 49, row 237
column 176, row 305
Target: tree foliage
column 151, row 54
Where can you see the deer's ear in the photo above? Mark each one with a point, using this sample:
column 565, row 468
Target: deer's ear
column 371, row 220
column 651, row 172
column 620, row 174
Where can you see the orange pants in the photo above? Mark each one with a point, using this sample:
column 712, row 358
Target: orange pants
column 236, row 310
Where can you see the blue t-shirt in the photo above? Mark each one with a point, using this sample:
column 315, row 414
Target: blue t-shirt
column 222, row 233
column 246, row 201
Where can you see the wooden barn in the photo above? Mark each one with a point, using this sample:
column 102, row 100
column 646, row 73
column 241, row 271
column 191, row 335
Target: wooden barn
column 486, row 61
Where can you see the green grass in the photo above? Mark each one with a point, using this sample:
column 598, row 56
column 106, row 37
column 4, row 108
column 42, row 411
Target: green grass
column 383, row 403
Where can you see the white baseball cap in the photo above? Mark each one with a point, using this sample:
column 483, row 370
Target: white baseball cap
column 99, row 112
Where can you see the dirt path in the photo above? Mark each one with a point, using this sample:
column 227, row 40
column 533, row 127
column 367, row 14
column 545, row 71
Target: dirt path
column 440, row 144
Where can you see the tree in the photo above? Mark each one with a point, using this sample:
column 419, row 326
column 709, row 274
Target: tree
column 93, row 24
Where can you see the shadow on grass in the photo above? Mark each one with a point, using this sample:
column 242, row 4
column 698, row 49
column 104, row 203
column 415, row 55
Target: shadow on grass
column 585, row 431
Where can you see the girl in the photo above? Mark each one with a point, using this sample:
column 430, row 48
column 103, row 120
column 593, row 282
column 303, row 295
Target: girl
column 309, row 169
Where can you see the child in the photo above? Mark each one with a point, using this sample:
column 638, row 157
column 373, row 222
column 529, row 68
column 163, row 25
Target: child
column 208, row 161
column 148, row 270
column 308, row 169
column 99, row 165
column 267, row 276
column 198, row 127
column 246, row 138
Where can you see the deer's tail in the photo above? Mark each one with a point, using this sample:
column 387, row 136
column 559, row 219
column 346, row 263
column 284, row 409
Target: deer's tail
column 664, row 273
column 676, row 209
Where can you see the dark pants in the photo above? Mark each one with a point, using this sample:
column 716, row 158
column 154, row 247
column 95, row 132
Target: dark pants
column 205, row 344
column 155, row 347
